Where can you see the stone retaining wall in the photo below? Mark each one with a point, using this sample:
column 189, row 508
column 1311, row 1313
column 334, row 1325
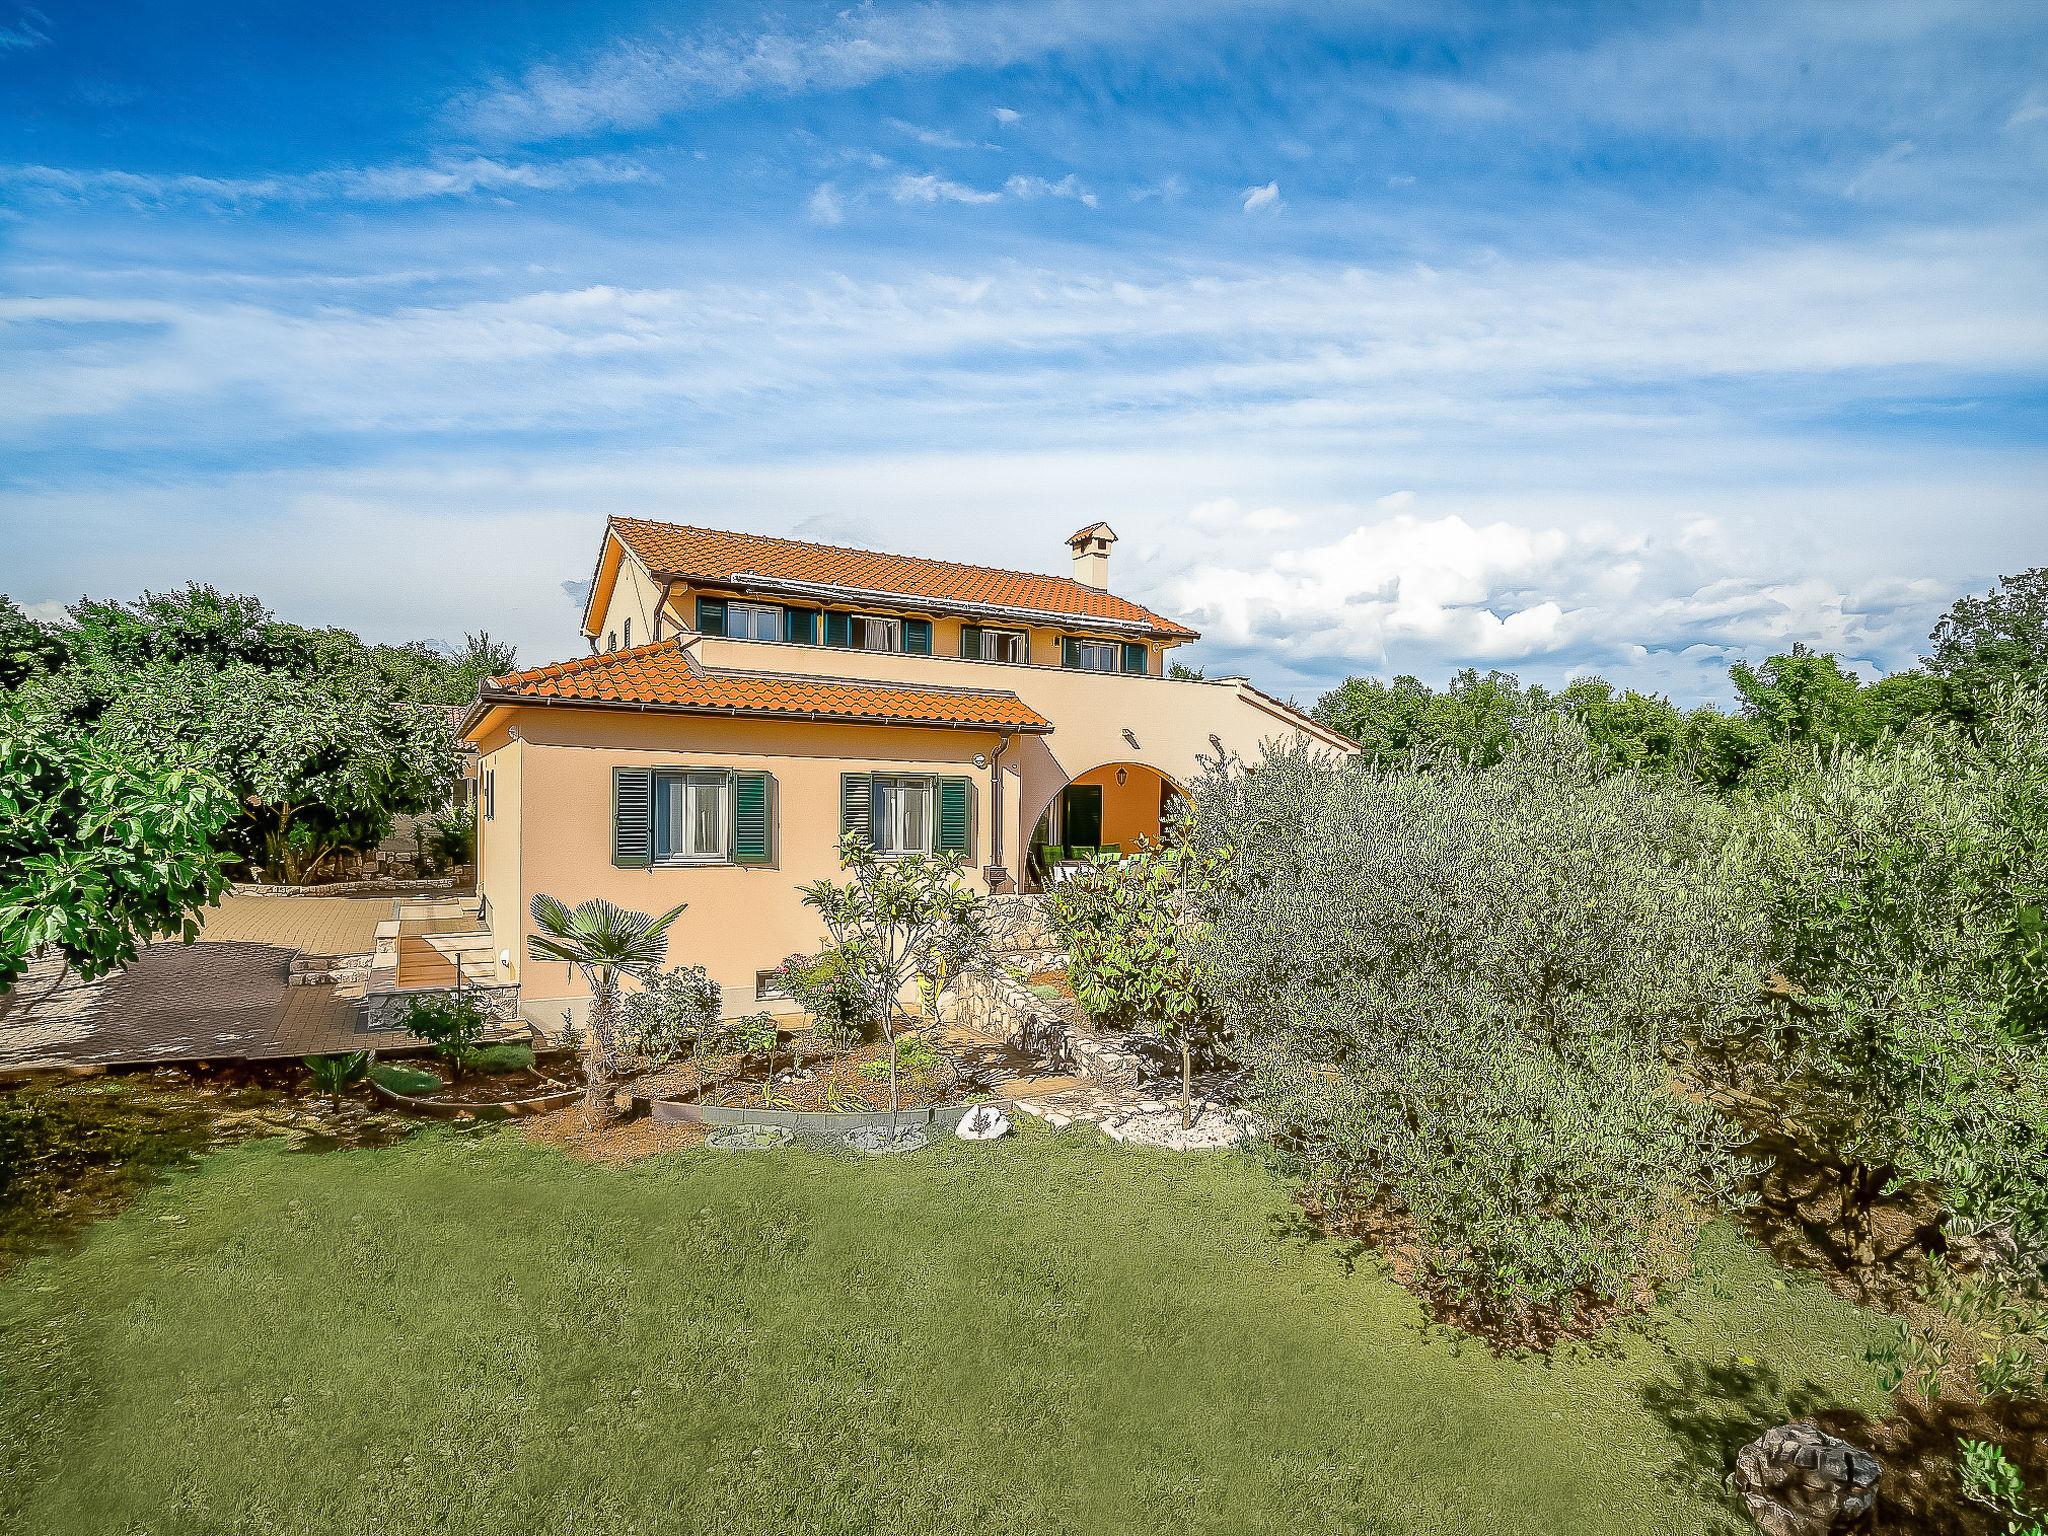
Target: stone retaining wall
column 461, row 880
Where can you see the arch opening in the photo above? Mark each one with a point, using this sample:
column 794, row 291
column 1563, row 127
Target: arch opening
column 1108, row 809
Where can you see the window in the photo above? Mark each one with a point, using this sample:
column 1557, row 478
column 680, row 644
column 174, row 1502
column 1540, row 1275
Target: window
column 629, row 634
column 768, row 985
column 873, row 634
column 753, row 621
column 692, row 816
column 902, row 814
column 1092, row 655
column 611, row 640
column 1002, row 645
column 490, row 793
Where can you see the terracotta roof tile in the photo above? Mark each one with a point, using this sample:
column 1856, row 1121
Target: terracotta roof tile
column 671, row 550
column 663, row 675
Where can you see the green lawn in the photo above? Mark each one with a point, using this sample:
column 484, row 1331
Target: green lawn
column 468, row 1333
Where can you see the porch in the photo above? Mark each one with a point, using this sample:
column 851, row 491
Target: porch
column 1111, row 809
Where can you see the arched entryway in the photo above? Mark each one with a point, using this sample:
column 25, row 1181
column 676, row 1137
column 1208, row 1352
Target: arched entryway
column 1108, row 809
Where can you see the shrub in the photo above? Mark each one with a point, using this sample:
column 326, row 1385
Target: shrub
column 1458, row 992
column 673, row 1011
column 834, row 990
column 449, row 838
column 331, row 1074
column 453, row 1023
column 503, row 1058
column 414, row 1082
column 1137, row 954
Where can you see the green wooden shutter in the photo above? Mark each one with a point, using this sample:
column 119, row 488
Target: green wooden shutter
column 753, row 822
column 800, row 626
column 970, row 641
column 856, row 796
column 632, row 817
column 839, row 629
column 1134, row 656
column 956, row 825
column 917, row 637
column 1070, row 651
column 711, row 616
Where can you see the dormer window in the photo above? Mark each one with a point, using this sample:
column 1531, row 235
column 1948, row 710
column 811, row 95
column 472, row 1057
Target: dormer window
column 871, row 633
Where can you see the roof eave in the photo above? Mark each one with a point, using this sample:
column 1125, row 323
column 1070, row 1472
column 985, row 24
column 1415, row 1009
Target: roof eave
column 811, row 716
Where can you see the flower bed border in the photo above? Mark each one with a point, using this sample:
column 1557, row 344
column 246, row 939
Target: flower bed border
column 939, row 1118
column 454, row 1109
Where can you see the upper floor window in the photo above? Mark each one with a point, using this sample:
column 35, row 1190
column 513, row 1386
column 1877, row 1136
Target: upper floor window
column 753, row 621
column 1002, row 645
column 692, row 816
column 902, row 814
column 876, row 634
column 1092, row 655
column 629, row 634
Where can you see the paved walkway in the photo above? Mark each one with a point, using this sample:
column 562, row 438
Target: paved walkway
column 315, row 925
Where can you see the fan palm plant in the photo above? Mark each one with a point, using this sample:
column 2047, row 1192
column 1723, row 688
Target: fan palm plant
column 606, row 943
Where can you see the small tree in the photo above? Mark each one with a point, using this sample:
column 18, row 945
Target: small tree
column 331, row 1074
column 1137, row 956
column 606, row 943
column 899, row 920
column 453, row 1023
column 758, row 1035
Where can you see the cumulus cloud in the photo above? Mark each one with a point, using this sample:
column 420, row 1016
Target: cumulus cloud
column 1225, row 515
column 1256, row 198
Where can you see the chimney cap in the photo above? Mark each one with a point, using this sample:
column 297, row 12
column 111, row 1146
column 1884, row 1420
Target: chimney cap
column 1100, row 531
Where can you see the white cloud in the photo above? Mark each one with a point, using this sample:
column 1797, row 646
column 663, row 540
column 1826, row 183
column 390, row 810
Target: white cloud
column 1267, row 196
column 1006, row 115
column 636, row 83
column 1225, row 515
column 26, row 31
column 1168, row 189
column 1029, row 187
column 824, row 206
column 398, row 183
column 936, row 138
column 938, row 189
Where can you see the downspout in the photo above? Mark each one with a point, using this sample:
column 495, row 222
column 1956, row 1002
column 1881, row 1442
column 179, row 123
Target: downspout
column 995, row 796
column 661, row 606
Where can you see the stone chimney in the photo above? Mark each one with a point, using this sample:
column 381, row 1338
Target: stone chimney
column 1091, row 555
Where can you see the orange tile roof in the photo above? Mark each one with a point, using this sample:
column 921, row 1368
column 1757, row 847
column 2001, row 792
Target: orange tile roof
column 673, row 551
column 664, row 676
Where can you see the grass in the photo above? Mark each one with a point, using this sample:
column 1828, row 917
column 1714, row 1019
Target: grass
column 468, row 1332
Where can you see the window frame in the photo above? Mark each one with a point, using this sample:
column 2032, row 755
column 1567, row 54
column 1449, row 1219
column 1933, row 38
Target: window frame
column 727, row 781
column 1107, row 648
column 891, row 626
column 1020, row 637
column 737, row 606
column 926, row 782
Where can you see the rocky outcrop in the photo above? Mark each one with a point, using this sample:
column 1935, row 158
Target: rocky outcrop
column 1798, row 1480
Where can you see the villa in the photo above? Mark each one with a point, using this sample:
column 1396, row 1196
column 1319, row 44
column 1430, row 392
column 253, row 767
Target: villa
column 748, row 701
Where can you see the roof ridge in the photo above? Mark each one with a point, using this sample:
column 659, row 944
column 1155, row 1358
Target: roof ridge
column 886, row 554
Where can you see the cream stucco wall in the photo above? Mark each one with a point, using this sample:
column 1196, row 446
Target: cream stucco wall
column 741, row 919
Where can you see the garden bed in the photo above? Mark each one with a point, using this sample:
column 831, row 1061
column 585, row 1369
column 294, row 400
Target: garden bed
column 814, row 1089
column 480, row 1094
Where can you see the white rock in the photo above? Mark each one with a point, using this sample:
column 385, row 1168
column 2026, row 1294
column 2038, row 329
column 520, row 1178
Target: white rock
column 984, row 1123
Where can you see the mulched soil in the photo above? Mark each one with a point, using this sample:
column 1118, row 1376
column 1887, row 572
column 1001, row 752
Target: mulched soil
column 624, row 1141
column 810, row 1075
column 495, row 1087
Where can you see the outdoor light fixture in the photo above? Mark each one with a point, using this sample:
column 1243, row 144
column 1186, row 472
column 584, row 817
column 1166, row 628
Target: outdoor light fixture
column 1122, row 777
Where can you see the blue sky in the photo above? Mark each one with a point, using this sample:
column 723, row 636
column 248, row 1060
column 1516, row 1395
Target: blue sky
column 1390, row 337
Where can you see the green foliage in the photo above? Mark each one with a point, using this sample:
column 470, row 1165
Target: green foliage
column 1459, row 993
column 896, row 921
column 1474, row 720
column 1903, row 892
column 27, row 648
column 1989, row 1478
column 413, row 1082
column 671, row 1011
column 1984, row 1325
column 497, row 1060
column 101, row 850
column 914, row 1056
column 607, row 943
column 833, row 987
column 331, row 1074
column 1138, row 954
column 450, row 838
column 1984, row 644
column 453, row 1023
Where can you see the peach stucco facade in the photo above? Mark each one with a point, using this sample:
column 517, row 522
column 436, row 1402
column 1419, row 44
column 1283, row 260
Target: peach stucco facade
column 549, row 766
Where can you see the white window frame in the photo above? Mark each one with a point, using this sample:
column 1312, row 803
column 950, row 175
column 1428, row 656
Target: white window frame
column 885, row 828
column 698, row 778
column 861, row 636
column 1108, row 649
column 735, row 608
column 1020, row 641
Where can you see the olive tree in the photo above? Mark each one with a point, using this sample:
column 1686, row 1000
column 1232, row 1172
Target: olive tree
column 1462, row 995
